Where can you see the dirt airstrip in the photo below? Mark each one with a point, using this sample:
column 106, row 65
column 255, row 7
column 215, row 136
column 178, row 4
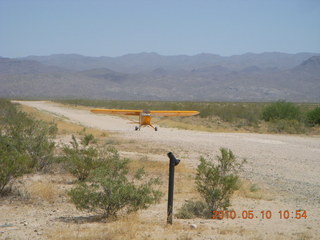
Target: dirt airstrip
column 287, row 166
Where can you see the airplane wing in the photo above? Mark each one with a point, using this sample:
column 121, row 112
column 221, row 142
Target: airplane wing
column 173, row 113
column 117, row 111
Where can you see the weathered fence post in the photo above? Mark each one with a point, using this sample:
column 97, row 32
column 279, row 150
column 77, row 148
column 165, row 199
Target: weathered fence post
column 172, row 163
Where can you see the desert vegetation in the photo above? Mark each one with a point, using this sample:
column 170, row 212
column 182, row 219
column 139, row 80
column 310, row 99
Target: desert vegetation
column 25, row 144
column 215, row 183
column 313, row 116
column 274, row 117
column 82, row 183
column 104, row 185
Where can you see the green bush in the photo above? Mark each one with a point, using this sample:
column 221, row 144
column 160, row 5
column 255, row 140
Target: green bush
column 235, row 112
column 81, row 158
column 36, row 139
column 109, row 189
column 217, row 182
column 12, row 163
column 25, row 143
column 29, row 136
column 313, row 117
column 281, row 110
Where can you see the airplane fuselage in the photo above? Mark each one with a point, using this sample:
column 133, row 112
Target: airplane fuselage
column 145, row 119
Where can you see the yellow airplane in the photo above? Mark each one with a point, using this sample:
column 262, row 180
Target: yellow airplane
column 144, row 116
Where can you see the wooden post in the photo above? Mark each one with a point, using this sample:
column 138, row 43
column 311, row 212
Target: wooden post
column 172, row 163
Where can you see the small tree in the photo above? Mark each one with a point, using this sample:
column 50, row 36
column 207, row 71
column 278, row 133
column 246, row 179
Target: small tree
column 109, row 189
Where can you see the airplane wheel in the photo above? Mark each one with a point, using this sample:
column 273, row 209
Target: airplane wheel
column 136, row 128
column 156, row 129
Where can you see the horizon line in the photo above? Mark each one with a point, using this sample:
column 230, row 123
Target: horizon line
column 164, row 55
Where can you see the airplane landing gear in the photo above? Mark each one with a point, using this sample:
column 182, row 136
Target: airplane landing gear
column 156, row 129
column 136, row 128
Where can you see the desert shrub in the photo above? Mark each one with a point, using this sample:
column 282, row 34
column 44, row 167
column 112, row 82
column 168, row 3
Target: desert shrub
column 234, row 112
column 254, row 188
column 81, row 158
column 286, row 126
column 313, row 116
column 281, row 110
column 29, row 136
column 215, row 183
column 193, row 209
column 12, row 163
column 109, row 189
column 25, row 143
column 35, row 138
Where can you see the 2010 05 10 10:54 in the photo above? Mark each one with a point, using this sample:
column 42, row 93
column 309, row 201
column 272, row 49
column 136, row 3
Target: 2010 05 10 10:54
column 264, row 214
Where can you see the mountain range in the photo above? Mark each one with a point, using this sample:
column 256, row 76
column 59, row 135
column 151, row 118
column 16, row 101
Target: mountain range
column 150, row 76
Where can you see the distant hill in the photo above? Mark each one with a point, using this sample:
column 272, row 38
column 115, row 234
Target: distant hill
column 150, row 76
column 311, row 65
column 144, row 62
column 16, row 66
column 104, row 73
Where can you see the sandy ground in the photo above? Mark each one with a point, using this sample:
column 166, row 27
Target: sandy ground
column 286, row 165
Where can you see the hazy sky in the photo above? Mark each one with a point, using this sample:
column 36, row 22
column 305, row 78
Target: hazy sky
column 168, row 27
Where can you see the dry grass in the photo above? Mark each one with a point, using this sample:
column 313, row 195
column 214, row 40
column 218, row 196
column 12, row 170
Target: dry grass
column 79, row 232
column 200, row 124
column 43, row 190
column 135, row 146
column 253, row 191
column 125, row 228
column 235, row 231
column 184, row 176
column 303, row 236
column 152, row 167
column 64, row 127
column 131, row 227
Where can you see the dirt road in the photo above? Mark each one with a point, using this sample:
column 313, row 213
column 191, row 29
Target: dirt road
column 287, row 164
